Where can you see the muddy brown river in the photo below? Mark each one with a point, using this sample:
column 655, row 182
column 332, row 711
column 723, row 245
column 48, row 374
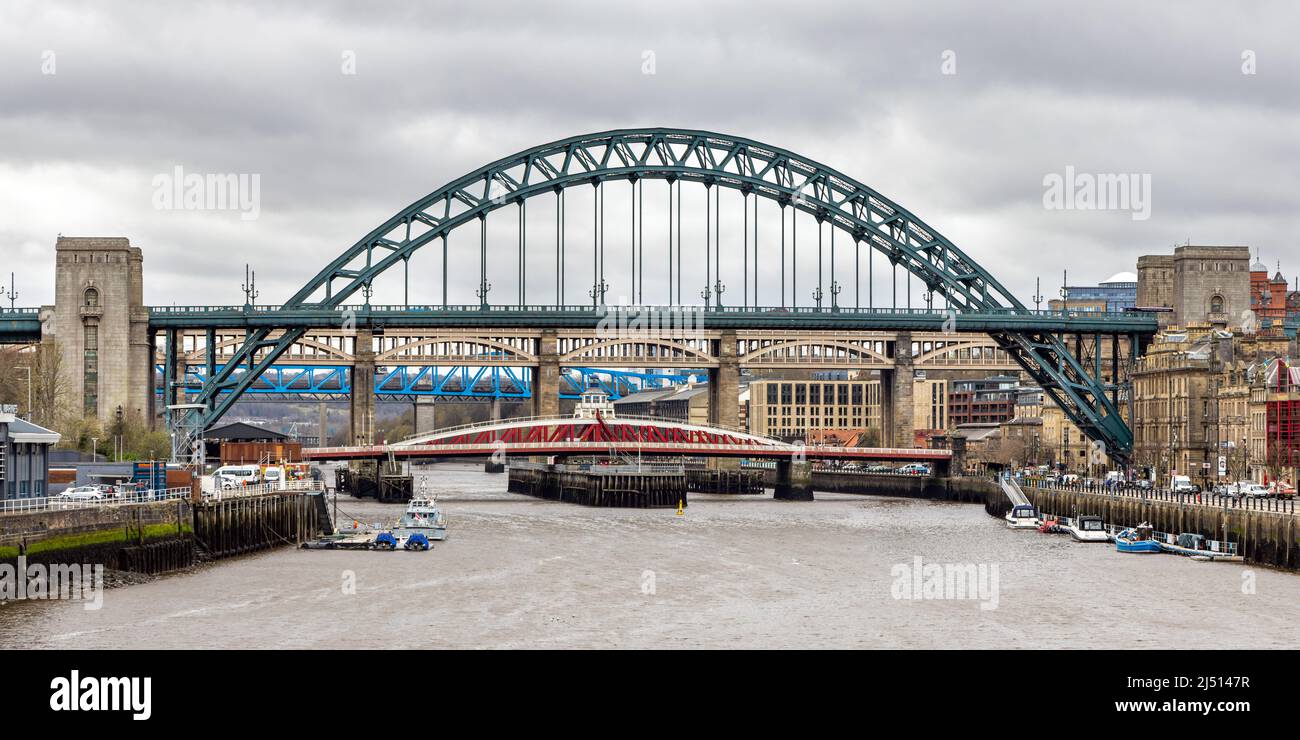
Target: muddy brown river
column 734, row 571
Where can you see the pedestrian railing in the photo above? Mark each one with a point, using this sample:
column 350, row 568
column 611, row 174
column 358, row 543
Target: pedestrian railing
column 60, row 503
column 1216, row 500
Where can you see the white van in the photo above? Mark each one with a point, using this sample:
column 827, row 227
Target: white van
column 1183, row 484
column 242, row 474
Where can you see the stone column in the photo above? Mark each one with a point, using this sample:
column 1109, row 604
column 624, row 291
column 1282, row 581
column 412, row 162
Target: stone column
column 724, row 384
column 546, row 381
column 896, row 395
column 426, row 416
column 362, row 401
column 793, row 481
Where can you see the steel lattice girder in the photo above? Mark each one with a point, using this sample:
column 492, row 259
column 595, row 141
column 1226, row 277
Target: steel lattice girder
column 712, row 159
column 322, row 381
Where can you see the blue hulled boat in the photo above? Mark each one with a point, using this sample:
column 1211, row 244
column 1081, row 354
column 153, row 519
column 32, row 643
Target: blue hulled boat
column 1137, row 540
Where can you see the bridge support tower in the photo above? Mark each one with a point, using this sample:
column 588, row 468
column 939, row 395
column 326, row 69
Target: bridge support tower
column 546, row 381
column 426, row 416
column 724, row 394
column 362, row 402
column 896, row 404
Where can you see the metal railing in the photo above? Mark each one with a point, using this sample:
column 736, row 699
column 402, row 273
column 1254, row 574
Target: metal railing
column 130, row 498
column 1213, row 500
column 586, row 308
column 574, row 419
column 59, row 503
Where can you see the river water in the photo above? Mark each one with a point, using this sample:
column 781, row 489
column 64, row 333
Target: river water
column 734, row 571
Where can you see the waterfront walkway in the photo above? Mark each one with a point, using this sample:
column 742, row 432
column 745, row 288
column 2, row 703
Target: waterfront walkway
column 1211, row 500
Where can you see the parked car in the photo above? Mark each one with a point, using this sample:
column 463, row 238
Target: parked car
column 1247, row 489
column 79, row 494
column 915, row 469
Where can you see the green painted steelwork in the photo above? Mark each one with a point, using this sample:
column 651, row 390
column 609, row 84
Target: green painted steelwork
column 709, row 159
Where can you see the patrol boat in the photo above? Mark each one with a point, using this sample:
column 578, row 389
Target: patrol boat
column 422, row 517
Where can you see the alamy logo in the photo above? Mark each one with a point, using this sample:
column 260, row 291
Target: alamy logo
column 94, row 694
column 178, row 191
column 58, row 581
column 947, row 581
column 1112, row 191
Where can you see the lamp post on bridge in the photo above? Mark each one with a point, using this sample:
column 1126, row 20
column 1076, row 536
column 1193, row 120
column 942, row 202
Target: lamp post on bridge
column 817, row 297
column 718, row 289
column 597, row 293
column 836, row 289
column 250, row 286
column 1038, row 294
column 12, row 295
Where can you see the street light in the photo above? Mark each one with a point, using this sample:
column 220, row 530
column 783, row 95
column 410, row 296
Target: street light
column 29, row 388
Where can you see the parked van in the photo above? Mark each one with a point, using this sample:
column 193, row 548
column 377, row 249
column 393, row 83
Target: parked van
column 1183, row 484
column 248, row 475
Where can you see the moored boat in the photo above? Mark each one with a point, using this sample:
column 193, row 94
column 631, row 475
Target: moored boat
column 1196, row 547
column 1088, row 529
column 422, row 522
column 1137, row 540
column 1023, row 516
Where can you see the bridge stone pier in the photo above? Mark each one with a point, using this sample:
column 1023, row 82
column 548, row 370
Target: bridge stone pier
column 426, row 416
column 102, row 327
column 724, row 392
column 793, row 481
column 362, row 401
column 896, row 402
column 546, row 382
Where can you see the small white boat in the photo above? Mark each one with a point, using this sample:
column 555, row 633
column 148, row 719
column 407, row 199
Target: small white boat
column 1088, row 529
column 1023, row 516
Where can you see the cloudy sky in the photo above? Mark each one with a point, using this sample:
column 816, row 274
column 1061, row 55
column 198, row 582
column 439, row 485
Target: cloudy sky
column 956, row 111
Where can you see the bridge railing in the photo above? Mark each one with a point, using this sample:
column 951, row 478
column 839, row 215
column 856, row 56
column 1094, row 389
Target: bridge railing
column 574, row 419
column 608, row 308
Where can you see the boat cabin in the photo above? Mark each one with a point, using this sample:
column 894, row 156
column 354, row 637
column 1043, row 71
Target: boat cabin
column 1024, row 511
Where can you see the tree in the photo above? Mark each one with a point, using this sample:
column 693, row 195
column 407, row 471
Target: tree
column 33, row 375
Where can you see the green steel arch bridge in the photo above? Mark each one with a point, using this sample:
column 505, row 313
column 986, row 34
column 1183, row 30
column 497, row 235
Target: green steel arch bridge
column 959, row 294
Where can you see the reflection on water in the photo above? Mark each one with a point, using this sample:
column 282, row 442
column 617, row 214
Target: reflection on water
column 734, row 571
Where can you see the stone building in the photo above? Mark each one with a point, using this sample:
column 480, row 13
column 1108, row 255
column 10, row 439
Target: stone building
column 102, row 327
column 1202, row 284
column 1172, row 421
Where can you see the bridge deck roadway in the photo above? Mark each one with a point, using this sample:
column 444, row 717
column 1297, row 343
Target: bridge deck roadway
column 651, row 318
column 571, row 448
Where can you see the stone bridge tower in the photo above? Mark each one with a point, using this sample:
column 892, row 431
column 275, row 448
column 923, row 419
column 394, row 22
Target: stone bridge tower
column 102, row 327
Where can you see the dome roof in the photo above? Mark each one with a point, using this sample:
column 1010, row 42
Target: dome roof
column 1121, row 277
column 1259, row 267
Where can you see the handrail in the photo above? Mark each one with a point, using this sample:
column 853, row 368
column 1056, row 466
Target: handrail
column 45, row 503
column 362, row 310
column 618, row 418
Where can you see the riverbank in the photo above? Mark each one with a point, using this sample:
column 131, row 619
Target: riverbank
column 734, row 571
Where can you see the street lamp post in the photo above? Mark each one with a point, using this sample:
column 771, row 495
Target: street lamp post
column 29, row 389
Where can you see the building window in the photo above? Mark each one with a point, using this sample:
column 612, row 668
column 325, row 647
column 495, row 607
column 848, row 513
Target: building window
column 90, row 369
column 91, row 298
column 1216, row 304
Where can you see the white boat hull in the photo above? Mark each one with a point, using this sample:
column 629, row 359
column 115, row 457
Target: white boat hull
column 1088, row 535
